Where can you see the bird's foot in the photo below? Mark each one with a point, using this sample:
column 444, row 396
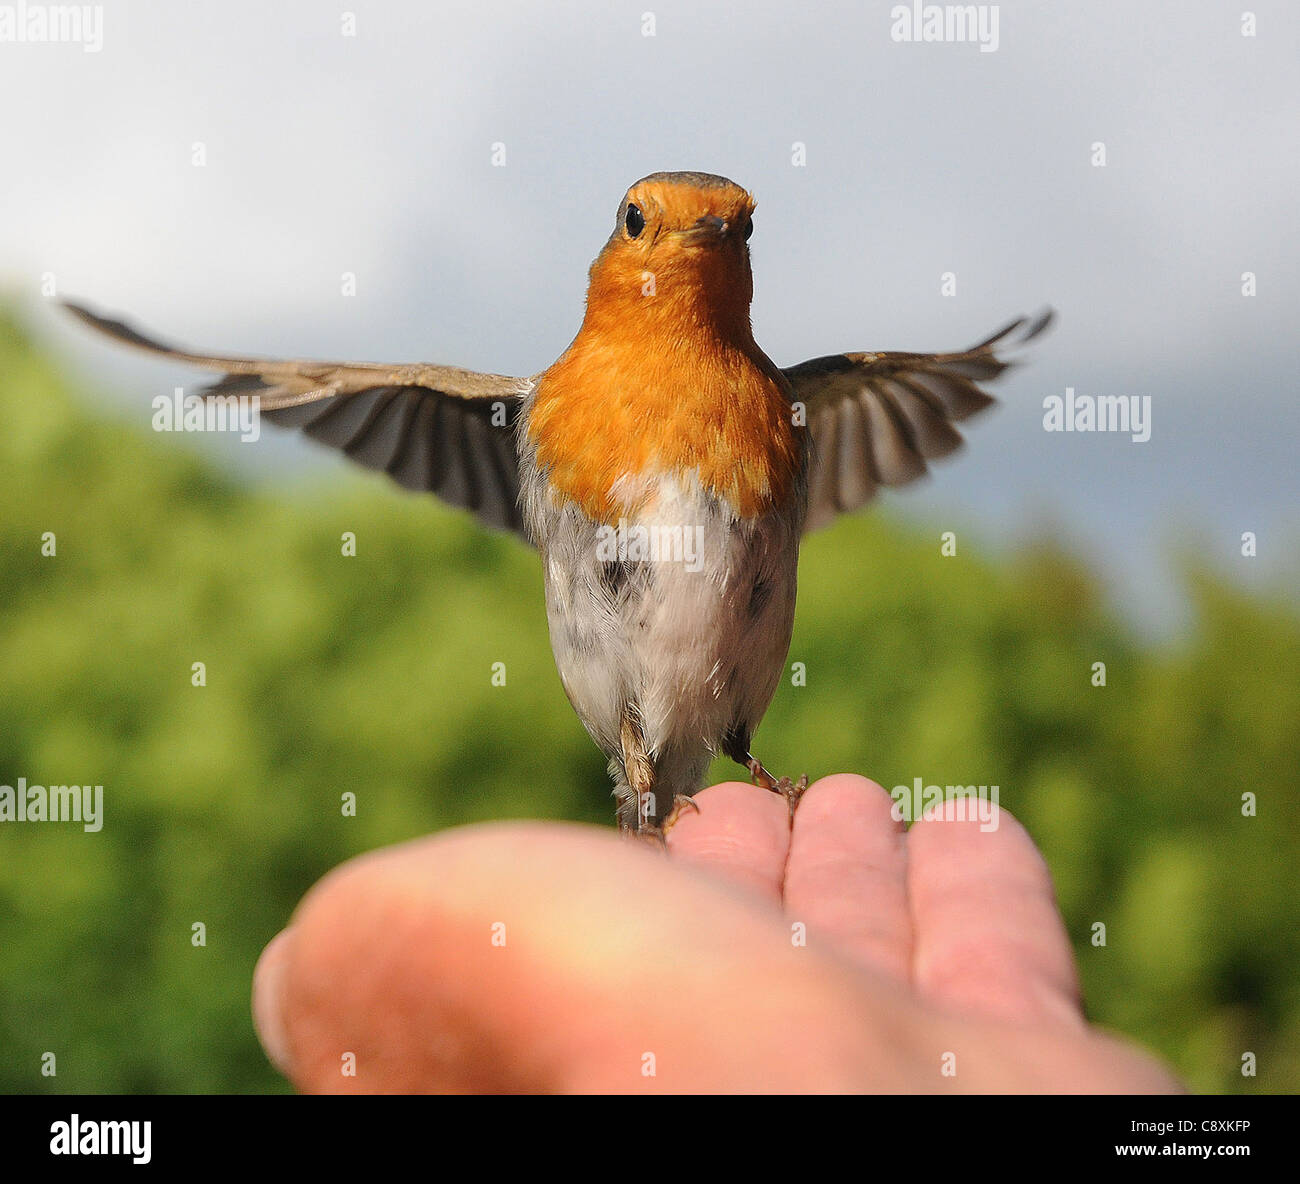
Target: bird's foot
column 792, row 791
column 656, row 833
column 681, row 803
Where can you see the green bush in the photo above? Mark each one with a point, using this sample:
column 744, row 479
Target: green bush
column 372, row 674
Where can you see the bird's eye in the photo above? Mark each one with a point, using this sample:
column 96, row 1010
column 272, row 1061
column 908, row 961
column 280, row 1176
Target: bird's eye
column 634, row 220
column 749, row 229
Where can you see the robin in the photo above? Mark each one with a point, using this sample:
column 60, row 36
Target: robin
column 664, row 467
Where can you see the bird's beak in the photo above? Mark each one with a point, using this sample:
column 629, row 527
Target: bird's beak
column 708, row 229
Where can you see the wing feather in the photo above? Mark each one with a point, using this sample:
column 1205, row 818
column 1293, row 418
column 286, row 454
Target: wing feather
column 877, row 418
column 438, row 429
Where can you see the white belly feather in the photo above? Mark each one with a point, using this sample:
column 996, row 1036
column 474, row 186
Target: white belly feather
column 682, row 613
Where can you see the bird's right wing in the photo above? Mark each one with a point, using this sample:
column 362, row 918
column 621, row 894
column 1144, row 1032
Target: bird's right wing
column 434, row 428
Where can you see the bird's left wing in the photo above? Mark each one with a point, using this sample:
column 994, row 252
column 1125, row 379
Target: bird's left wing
column 434, row 428
column 876, row 419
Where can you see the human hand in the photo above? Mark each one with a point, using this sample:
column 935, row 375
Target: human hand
column 542, row 957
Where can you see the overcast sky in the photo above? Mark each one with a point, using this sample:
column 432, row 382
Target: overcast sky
column 373, row 154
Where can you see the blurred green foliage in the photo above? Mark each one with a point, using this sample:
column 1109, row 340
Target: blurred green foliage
column 373, row 674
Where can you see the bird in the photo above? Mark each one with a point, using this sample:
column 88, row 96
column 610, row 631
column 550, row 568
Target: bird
column 664, row 468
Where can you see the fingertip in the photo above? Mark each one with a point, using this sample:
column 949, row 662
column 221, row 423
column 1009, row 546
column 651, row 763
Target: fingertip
column 959, row 824
column 989, row 933
column 831, row 797
column 268, row 1001
column 847, row 871
column 740, row 832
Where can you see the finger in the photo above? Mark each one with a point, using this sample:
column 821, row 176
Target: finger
column 268, row 978
column 541, row 957
column 740, row 833
column 988, row 936
column 846, row 876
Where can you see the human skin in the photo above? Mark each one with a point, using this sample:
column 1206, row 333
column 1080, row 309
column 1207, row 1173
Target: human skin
column 530, row 956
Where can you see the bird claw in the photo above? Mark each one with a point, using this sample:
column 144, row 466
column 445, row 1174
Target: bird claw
column 681, row 802
column 792, row 791
column 657, row 833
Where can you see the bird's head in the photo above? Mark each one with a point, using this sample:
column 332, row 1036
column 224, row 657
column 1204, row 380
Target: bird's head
column 664, row 377
column 678, row 256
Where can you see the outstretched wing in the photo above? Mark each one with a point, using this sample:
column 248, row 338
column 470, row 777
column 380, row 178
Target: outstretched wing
column 876, row 419
column 434, row 428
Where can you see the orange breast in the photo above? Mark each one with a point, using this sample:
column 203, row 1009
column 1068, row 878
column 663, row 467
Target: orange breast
column 619, row 409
